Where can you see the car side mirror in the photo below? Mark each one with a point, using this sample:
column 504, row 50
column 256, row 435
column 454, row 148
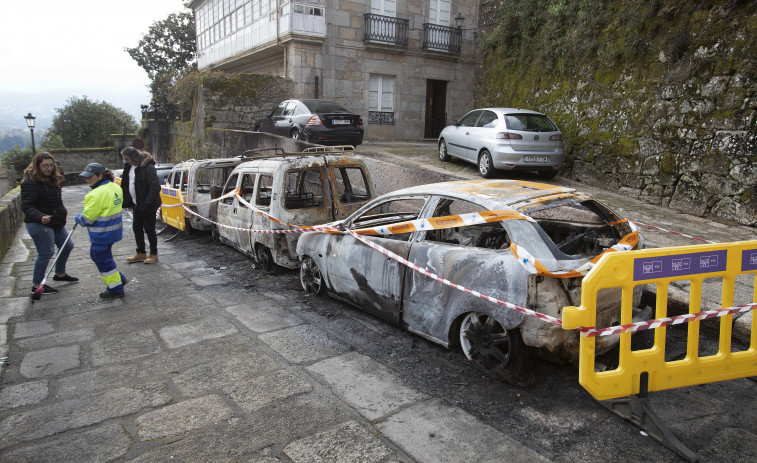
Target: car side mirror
column 456, row 123
column 268, row 114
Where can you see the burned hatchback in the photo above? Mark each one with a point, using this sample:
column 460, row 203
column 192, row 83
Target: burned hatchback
column 533, row 251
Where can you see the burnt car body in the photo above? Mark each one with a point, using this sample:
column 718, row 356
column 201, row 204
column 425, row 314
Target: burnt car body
column 559, row 227
column 200, row 182
column 319, row 185
column 317, row 121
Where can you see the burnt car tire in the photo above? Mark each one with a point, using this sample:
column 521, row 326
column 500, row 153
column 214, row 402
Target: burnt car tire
column 494, row 350
column 297, row 135
column 264, row 257
column 485, row 165
column 443, row 154
column 311, row 278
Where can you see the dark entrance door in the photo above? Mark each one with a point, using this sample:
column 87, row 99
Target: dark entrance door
column 436, row 107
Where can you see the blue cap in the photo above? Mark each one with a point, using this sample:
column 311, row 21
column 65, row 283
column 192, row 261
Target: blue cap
column 92, row 169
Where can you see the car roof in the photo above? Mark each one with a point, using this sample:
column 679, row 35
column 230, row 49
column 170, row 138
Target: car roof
column 494, row 193
column 301, row 161
column 510, row 110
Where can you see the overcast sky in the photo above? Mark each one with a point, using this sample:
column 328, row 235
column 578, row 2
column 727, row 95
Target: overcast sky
column 74, row 48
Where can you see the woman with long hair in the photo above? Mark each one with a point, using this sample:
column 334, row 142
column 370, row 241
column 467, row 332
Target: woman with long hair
column 45, row 218
column 102, row 217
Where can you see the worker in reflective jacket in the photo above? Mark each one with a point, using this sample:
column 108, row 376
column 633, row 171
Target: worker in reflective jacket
column 102, row 217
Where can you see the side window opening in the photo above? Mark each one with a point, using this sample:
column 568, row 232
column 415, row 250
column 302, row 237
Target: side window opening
column 303, row 188
column 391, row 212
column 265, row 190
column 351, row 185
column 247, row 187
column 231, row 185
column 488, row 235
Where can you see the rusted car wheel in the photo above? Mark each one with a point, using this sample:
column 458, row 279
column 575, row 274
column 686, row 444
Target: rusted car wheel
column 310, row 277
column 493, row 349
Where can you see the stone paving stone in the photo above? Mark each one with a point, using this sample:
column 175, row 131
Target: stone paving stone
column 27, row 393
column 303, row 344
column 261, row 391
column 51, row 361
column 123, row 348
column 367, row 385
column 188, row 264
column 36, row 328
column 97, row 445
column 214, row 375
column 192, row 333
column 432, row 432
column 13, row 307
column 182, row 417
column 57, row 339
column 84, row 411
column 346, row 443
column 210, row 280
column 96, row 381
column 264, row 315
column 274, row 426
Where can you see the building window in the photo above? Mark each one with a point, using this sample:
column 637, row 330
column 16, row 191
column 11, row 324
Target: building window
column 439, row 12
column 381, row 100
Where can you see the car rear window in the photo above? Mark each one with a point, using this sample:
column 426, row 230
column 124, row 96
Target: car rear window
column 325, row 107
column 530, row 123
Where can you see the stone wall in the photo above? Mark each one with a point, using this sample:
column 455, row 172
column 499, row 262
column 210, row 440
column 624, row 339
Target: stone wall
column 74, row 161
column 11, row 217
column 675, row 125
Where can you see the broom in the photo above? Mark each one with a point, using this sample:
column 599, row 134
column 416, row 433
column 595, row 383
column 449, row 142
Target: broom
column 37, row 294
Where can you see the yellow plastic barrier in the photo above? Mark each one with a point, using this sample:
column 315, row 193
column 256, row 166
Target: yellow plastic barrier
column 662, row 266
column 173, row 216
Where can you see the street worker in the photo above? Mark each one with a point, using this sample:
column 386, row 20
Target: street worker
column 45, row 218
column 102, row 217
column 142, row 193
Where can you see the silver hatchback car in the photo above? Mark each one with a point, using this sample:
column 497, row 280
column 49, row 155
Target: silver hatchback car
column 506, row 139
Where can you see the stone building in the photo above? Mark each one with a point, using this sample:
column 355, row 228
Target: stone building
column 407, row 66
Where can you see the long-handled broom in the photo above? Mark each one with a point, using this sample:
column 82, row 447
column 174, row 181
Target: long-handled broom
column 37, row 294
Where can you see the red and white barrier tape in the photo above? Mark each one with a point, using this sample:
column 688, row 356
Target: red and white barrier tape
column 270, row 232
column 675, row 232
column 677, row 320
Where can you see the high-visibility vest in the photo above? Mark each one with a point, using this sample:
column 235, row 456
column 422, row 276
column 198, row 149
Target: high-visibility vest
column 102, row 213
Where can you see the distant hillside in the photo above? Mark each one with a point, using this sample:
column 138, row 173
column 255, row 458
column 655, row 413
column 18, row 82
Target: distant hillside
column 10, row 137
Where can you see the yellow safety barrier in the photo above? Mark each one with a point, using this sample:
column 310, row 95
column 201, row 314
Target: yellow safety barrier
column 172, row 211
column 662, row 266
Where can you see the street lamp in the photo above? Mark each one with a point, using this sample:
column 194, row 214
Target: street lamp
column 30, row 122
column 460, row 22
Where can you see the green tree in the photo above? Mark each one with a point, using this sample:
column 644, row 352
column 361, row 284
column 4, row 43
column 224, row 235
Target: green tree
column 17, row 159
column 51, row 141
column 165, row 52
column 84, row 123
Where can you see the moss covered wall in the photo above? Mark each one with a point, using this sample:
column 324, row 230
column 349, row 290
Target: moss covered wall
column 656, row 98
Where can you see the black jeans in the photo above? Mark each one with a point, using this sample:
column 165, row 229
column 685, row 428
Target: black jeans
column 144, row 222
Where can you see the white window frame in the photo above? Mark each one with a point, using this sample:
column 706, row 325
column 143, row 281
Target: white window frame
column 439, row 12
column 377, row 99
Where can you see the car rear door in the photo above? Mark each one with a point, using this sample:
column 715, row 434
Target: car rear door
column 243, row 215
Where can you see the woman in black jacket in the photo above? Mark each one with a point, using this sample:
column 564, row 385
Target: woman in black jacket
column 45, row 218
column 141, row 192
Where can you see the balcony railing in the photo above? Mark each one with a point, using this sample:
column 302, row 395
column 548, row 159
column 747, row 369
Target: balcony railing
column 442, row 38
column 386, row 29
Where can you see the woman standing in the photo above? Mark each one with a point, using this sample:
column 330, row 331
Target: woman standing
column 45, row 218
column 102, row 217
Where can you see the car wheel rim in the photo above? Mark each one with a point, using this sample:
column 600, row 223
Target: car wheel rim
column 484, row 342
column 310, row 276
column 483, row 165
column 442, row 151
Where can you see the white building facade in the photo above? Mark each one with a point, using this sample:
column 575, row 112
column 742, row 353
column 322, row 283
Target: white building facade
column 404, row 65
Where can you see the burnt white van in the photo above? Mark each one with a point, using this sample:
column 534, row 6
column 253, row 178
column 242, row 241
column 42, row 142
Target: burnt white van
column 314, row 187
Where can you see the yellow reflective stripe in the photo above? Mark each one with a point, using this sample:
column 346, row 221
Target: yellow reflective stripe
column 112, row 278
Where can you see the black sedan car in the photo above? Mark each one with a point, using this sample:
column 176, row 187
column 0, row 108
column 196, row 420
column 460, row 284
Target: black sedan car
column 317, row 121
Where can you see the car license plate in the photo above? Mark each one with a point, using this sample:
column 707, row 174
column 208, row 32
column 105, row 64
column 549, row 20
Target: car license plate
column 341, row 122
column 536, row 159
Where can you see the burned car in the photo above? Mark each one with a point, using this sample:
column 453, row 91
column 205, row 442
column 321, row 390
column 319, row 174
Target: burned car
column 533, row 254
column 200, row 182
column 319, row 185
